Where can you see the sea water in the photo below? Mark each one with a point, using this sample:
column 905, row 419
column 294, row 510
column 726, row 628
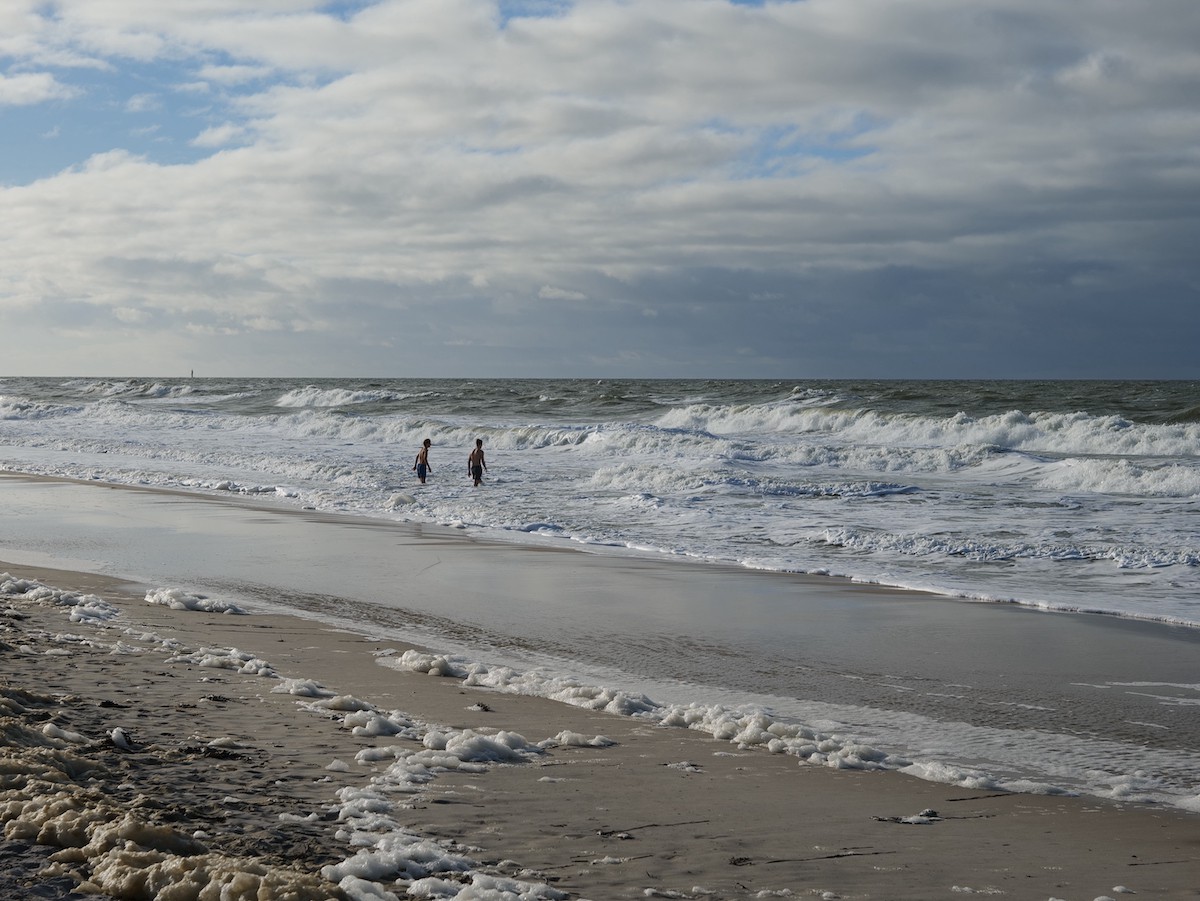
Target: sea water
column 1078, row 496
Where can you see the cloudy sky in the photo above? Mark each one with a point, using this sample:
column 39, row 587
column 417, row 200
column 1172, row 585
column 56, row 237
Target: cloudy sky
column 830, row 188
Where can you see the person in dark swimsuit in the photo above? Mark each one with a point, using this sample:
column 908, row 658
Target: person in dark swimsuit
column 475, row 463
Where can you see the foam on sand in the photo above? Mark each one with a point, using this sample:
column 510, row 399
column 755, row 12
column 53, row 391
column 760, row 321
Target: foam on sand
column 58, row 788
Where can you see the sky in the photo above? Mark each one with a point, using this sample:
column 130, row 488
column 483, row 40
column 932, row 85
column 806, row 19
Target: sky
column 647, row 188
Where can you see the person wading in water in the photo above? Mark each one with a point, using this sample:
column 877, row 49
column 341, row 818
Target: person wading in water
column 475, row 463
column 422, row 467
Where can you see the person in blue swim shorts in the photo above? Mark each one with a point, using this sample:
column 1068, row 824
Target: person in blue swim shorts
column 422, row 466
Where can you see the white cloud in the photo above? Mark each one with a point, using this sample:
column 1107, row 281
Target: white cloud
column 263, row 324
column 26, row 89
column 429, row 166
column 219, row 135
column 140, row 103
column 130, row 315
column 234, row 75
column 549, row 292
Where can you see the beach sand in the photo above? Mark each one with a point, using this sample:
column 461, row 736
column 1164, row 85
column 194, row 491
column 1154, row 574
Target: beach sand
column 222, row 786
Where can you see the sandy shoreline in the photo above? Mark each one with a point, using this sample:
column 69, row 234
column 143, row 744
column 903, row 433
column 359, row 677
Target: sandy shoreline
column 226, row 779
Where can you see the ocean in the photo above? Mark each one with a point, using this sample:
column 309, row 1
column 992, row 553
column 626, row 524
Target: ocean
column 1070, row 499
column 1080, row 496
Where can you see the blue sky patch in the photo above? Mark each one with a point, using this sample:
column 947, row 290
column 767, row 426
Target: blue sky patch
column 784, row 151
column 155, row 111
column 345, row 10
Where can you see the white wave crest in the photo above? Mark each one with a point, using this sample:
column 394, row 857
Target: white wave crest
column 313, row 396
column 1051, row 433
column 1116, row 476
column 134, row 388
column 17, row 408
